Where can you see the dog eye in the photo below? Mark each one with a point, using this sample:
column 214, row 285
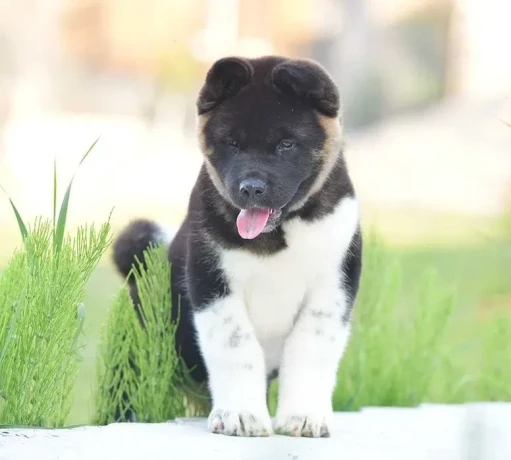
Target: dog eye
column 285, row 145
column 232, row 143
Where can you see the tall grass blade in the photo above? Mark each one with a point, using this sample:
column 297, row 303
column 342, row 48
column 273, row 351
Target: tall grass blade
column 61, row 223
column 89, row 150
column 21, row 224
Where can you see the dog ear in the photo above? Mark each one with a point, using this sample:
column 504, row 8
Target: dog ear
column 310, row 82
column 224, row 79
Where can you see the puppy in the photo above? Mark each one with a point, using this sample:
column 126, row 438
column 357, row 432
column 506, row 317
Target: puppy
column 268, row 259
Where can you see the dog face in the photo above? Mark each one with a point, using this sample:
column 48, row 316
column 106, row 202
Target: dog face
column 270, row 133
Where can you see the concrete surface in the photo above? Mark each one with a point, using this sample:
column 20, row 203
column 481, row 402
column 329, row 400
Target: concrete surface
column 436, row 432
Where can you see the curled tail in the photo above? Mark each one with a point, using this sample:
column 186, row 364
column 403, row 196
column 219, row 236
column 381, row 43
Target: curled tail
column 131, row 243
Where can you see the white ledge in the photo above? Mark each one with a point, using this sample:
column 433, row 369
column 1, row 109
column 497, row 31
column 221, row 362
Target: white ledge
column 437, row 432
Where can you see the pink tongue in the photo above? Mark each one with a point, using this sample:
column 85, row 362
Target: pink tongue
column 251, row 222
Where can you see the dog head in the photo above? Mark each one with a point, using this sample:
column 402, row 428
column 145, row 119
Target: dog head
column 270, row 133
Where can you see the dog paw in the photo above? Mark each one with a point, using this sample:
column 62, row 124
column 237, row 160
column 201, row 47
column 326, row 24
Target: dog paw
column 234, row 423
column 306, row 426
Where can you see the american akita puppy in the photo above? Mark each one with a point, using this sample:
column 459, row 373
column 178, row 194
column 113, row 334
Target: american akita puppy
column 268, row 259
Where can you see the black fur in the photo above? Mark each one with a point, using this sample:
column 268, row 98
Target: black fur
column 351, row 270
column 132, row 242
column 311, row 84
column 225, row 79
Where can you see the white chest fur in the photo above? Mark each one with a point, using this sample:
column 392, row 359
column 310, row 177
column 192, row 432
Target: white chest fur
column 274, row 287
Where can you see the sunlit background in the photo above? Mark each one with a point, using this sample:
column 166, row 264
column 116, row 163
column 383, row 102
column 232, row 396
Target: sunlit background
column 426, row 88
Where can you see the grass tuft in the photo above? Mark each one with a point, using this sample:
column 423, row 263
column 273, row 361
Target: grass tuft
column 41, row 316
column 394, row 352
column 138, row 370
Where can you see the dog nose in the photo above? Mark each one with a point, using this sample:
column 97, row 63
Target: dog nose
column 252, row 188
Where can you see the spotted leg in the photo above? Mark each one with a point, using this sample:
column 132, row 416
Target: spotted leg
column 308, row 371
column 236, row 368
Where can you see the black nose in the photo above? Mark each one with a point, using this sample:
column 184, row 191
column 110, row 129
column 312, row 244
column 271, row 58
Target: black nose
column 251, row 189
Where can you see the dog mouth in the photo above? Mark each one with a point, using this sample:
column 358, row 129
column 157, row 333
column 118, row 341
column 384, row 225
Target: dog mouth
column 254, row 221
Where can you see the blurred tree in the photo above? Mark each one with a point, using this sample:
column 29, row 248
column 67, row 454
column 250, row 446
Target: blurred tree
column 353, row 60
column 178, row 69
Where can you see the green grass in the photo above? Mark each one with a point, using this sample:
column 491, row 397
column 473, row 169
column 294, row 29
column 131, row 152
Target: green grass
column 424, row 334
column 41, row 315
column 138, row 368
column 102, row 290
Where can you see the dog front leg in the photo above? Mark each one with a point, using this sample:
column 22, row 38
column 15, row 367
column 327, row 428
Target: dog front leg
column 308, row 371
column 236, row 367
